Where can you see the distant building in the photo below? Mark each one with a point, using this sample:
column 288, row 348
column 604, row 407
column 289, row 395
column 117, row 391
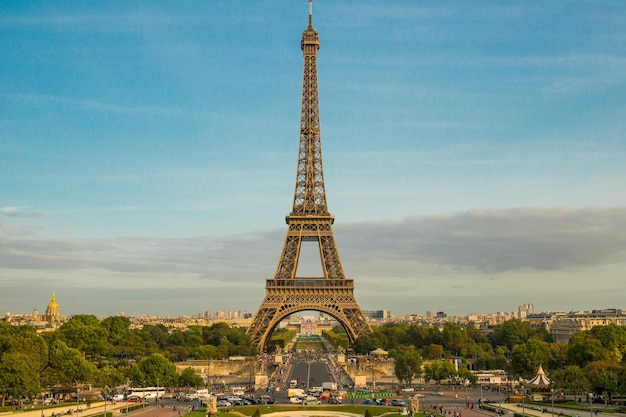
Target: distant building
column 53, row 313
column 563, row 327
column 525, row 310
column 376, row 314
column 308, row 326
column 43, row 323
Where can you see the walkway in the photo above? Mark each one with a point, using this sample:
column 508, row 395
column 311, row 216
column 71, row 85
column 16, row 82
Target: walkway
column 97, row 408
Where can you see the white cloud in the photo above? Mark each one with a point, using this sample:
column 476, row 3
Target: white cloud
column 395, row 264
column 11, row 211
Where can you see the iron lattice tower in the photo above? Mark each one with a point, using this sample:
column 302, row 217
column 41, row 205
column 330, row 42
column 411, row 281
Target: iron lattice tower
column 309, row 220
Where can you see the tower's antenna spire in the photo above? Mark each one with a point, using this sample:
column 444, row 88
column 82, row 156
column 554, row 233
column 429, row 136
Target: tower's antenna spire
column 310, row 12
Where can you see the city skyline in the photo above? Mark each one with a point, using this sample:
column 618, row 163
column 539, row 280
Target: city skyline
column 473, row 154
column 521, row 311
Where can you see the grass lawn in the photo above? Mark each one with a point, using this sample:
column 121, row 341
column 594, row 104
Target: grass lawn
column 266, row 409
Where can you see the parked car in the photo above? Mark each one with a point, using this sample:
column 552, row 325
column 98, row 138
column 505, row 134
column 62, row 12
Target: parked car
column 266, row 399
column 368, row 401
column 398, row 402
column 334, row 400
column 224, row 403
column 437, row 393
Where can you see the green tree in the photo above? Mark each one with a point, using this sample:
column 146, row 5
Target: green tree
column 110, row 376
column 177, row 338
column 154, row 370
column 205, row 352
column 337, row 339
column 558, row 355
column 584, row 348
column 613, row 339
column 439, row 370
column 433, row 351
column 367, row 343
column 133, row 346
column 84, row 332
column 407, row 363
column 526, row 357
column 18, row 375
column 155, row 336
column 395, row 334
column 421, row 336
column 467, row 375
column 189, row 378
column 454, row 338
column 193, row 341
column 213, row 334
column 510, row 333
column 179, row 353
column 28, row 343
column 604, row 376
column 67, row 365
column 281, row 337
column 116, row 327
column 570, row 377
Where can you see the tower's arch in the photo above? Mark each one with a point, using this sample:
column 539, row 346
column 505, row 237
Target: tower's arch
column 296, row 308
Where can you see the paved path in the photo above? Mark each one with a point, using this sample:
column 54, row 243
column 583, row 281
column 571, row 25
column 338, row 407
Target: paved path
column 118, row 409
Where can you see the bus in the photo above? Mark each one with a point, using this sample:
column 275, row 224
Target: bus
column 146, row 392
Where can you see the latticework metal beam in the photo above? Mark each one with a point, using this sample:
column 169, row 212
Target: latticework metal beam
column 309, row 220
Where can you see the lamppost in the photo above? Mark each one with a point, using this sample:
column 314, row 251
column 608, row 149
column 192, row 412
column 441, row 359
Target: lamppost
column 157, row 393
column 127, row 382
column 590, row 404
column 373, row 378
column 308, row 374
column 77, row 399
column 43, row 393
column 105, row 401
column 208, row 374
column 523, row 404
column 552, row 397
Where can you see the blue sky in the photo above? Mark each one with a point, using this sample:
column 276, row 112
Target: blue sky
column 473, row 152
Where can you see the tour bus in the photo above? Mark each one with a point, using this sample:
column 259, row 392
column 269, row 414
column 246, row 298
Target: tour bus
column 147, row 392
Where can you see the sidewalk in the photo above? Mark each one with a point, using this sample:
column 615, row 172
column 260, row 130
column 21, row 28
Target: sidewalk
column 97, row 407
column 530, row 411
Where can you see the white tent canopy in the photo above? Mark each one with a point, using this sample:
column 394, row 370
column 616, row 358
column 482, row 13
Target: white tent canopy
column 540, row 380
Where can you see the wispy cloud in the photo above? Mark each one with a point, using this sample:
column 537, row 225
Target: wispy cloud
column 93, row 105
column 489, row 254
column 486, row 241
column 11, row 211
column 490, row 241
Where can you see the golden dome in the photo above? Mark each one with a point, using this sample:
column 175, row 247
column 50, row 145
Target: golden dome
column 53, row 302
column 52, row 312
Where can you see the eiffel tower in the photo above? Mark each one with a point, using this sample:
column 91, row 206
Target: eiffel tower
column 309, row 220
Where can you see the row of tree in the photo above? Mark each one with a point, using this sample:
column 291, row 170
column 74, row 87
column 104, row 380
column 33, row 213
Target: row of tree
column 593, row 360
column 109, row 353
